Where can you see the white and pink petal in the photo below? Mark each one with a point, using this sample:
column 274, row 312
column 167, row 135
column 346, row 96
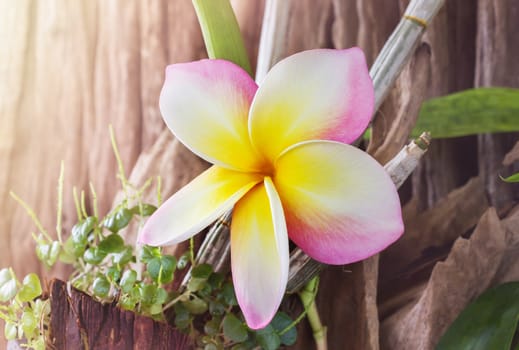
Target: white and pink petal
column 196, row 206
column 259, row 254
column 340, row 204
column 206, row 105
column 318, row 94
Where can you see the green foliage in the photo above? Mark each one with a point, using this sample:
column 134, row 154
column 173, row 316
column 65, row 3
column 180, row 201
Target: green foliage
column 470, row 112
column 489, row 322
column 21, row 310
column 134, row 278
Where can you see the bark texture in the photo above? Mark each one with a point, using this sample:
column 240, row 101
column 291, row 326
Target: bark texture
column 69, row 69
column 79, row 322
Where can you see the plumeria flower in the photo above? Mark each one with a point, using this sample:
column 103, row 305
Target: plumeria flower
column 282, row 161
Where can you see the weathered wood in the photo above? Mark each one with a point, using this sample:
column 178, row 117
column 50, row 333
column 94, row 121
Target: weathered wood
column 467, row 272
column 497, row 49
column 79, row 322
column 429, row 235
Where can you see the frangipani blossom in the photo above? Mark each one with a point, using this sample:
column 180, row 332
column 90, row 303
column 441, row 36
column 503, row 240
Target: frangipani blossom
column 281, row 161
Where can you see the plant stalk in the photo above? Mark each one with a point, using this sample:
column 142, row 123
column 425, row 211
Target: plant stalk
column 307, row 296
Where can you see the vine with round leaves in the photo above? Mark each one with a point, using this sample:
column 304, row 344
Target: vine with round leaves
column 135, row 278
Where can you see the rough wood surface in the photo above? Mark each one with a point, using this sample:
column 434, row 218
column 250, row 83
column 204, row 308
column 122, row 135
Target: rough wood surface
column 70, row 68
column 79, row 322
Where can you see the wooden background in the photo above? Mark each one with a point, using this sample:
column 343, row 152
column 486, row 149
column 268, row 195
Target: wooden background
column 70, row 68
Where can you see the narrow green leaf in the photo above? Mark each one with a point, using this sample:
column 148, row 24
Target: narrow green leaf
column 234, row 329
column 511, row 178
column 470, row 112
column 487, row 323
column 221, row 32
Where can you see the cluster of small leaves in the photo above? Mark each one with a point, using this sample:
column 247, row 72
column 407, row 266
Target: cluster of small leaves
column 208, row 310
column 22, row 312
column 112, row 271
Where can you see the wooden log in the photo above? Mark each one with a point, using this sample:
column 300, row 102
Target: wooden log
column 79, row 322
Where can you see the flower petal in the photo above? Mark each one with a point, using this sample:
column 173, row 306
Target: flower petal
column 259, row 254
column 318, row 94
column 196, row 205
column 340, row 204
column 206, row 105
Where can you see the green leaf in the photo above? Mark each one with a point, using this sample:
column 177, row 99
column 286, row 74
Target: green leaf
column 511, row 178
column 280, row 322
column 118, row 220
column 184, row 260
column 196, row 284
column 10, row 331
column 80, row 233
column 470, row 112
column 212, row 327
column 195, row 306
column 94, row 255
column 216, row 280
column 182, row 316
column 147, row 209
column 216, row 308
column 228, row 294
column 124, row 256
column 101, row 287
column 221, row 32
column 148, row 293
column 113, row 273
column 128, row 280
column 267, row 338
column 8, row 287
column 202, row 271
column 31, row 288
column 114, row 243
column 149, row 252
column 29, row 323
column 487, row 323
column 161, row 269
column 234, row 329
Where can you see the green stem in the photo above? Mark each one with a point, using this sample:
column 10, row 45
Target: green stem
column 307, row 296
column 221, row 32
column 32, row 215
column 60, row 202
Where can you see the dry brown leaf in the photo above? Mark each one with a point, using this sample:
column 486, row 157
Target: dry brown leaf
column 436, row 227
column 468, row 271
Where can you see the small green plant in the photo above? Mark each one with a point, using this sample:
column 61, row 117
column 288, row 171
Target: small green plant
column 24, row 314
column 135, row 278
